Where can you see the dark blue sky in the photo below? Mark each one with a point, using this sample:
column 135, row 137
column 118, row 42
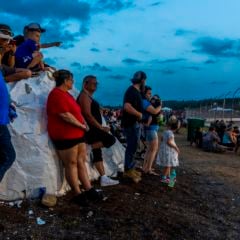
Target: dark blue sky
column 188, row 48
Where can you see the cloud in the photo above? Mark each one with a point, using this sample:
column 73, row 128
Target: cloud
column 225, row 48
column 131, row 61
column 218, row 82
column 192, row 68
column 76, row 65
column 111, row 5
column 56, row 15
column 38, row 11
column 94, row 50
column 183, row 32
column 156, row 4
column 98, row 67
column 210, row 61
column 117, row 77
column 173, row 60
column 168, row 71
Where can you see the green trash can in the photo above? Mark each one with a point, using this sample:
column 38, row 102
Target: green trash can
column 193, row 123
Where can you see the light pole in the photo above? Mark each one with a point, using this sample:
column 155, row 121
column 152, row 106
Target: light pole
column 224, row 102
column 233, row 96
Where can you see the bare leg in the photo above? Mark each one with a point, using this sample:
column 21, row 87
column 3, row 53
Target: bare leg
column 69, row 158
column 166, row 171
column 82, row 170
column 99, row 165
column 150, row 155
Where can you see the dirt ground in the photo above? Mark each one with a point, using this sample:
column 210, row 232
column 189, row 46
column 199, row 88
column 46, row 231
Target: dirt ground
column 205, row 204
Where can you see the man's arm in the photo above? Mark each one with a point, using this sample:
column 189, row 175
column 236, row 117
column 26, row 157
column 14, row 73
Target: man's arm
column 68, row 117
column 48, row 45
column 131, row 110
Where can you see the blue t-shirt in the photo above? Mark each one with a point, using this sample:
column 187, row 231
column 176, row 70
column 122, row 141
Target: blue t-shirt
column 4, row 102
column 146, row 116
column 23, row 55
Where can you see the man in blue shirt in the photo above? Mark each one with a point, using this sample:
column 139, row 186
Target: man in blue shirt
column 7, row 152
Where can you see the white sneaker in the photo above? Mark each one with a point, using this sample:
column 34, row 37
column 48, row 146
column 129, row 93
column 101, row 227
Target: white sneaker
column 107, row 181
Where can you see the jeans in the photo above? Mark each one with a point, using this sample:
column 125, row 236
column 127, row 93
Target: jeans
column 132, row 137
column 7, row 152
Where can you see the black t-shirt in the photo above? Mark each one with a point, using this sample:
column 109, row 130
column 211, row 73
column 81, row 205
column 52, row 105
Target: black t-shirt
column 133, row 97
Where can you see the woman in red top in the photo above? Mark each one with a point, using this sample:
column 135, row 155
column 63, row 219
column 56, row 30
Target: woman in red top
column 66, row 128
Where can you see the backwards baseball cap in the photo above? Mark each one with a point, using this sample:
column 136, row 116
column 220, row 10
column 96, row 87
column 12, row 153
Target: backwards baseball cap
column 33, row 26
column 138, row 77
column 5, row 32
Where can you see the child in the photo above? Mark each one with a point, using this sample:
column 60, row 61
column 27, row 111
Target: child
column 168, row 153
column 198, row 137
column 27, row 54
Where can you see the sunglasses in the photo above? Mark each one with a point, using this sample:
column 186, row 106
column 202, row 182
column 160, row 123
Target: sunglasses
column 6, row 32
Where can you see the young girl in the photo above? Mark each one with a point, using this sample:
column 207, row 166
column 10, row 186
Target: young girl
column 168, row 153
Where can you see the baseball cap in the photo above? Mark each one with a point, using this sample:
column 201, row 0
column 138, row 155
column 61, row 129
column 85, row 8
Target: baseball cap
column 138, row 77
column 5, row 32
column 34, row 26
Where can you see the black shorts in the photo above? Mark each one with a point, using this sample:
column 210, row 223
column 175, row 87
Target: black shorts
column 97, row 135
column 67, row 143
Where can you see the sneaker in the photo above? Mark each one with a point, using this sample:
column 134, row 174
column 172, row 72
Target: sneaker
column 94, row 195
column 80, row 200
column 165, row 180
column 137, row 173
column 132, row 174
column 107, row 181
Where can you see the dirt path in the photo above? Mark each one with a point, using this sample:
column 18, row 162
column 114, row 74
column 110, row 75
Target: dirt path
column 205, row 204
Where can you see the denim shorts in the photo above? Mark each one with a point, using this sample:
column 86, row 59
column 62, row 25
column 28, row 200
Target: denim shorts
column 151, row 135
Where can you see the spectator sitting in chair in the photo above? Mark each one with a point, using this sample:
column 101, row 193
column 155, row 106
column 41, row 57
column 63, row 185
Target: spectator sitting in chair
column 7, row 61
column 211, row 142
column 237, row 134
column 229, row 138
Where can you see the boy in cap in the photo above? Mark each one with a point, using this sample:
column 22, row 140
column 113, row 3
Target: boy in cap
column 27, row 54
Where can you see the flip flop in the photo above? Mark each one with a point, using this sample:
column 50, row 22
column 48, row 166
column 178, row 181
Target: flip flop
column 152, row 173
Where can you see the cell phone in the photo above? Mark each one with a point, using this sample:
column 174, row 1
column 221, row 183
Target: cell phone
column 1, row 50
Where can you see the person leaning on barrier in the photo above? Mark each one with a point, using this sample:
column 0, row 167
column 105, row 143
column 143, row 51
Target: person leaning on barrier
column 67, row 128
column 7, row 57
column 98, row 136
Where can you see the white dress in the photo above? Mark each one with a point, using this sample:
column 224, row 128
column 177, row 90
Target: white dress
column 167, row 156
